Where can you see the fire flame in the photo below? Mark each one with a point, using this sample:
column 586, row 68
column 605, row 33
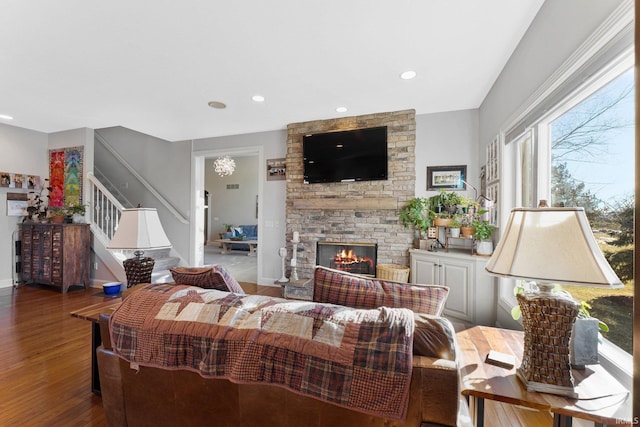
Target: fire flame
column 349, row 257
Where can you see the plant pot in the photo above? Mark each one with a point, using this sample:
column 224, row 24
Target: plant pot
column 454, row 232
column 57, row 219
column 484, row 247
column 442, row 222
column 423, row 244
column 467, row 231
column 78, row 218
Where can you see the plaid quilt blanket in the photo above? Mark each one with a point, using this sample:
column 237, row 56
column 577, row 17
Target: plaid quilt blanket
column 359, row 359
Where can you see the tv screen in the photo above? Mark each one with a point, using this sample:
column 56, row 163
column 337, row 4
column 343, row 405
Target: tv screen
column 345, row 156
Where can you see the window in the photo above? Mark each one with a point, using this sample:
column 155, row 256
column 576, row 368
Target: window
column 581, row 153
column 591, row 146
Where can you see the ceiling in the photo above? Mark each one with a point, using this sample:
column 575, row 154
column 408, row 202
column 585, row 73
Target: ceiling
column 154, row 66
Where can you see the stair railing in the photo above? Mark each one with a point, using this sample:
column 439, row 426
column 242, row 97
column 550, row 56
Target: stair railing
column 105, row 210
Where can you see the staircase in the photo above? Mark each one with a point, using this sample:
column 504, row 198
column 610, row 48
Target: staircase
column 105, row 212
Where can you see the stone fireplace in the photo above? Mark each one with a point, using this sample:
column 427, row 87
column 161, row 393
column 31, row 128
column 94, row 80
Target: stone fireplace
column 357, row 258
column 353, row 212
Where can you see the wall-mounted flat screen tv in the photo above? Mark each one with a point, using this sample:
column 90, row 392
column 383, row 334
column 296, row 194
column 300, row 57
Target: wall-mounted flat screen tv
column 345, row 156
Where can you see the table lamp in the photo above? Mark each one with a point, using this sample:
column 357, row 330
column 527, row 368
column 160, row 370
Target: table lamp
column 139, row 229
column 549, row 246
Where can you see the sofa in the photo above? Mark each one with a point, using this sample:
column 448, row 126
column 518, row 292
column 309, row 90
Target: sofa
column 242, row 232
column 145, row 394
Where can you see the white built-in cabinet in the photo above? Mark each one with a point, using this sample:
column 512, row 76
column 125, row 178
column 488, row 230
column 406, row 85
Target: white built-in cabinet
column 472, row 292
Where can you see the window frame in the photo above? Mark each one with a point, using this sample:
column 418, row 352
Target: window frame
column 618, row 362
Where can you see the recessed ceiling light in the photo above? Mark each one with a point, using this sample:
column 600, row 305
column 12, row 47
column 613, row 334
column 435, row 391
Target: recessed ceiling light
column 217, row 104
column 258, row 98
column 408, row 75
column 341, row 109
column 5, row 117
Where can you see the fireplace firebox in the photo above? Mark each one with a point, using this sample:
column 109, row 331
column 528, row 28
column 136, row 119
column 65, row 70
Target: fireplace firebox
column 357, row 258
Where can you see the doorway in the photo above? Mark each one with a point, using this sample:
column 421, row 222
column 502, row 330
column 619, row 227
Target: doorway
column 232, row 200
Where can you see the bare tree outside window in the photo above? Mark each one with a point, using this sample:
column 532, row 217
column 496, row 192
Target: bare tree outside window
column 592, row 166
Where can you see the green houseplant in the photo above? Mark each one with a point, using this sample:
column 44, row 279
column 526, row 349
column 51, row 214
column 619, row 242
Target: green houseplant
column 484, row 230
column 57, row 214
column 77, row 211
column 454, row 226
column 416, row 214
column 482, row 233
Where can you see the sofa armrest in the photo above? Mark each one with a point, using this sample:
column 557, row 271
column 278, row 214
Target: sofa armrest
column 439, row 389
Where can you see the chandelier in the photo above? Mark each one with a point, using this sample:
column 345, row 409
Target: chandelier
column 224, row 165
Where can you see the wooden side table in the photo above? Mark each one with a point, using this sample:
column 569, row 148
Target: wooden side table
column 601, row 398
column 301, row 289
column 92, row 313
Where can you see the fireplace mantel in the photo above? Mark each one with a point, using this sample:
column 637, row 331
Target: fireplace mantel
column 374, row 203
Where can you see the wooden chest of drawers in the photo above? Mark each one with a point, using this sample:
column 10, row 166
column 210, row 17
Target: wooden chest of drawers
column 56, row 254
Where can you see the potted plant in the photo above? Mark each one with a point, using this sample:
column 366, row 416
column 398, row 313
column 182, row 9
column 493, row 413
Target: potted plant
column 466, row 225
column 417, row 215
column 483, row 232
column 77, row 211
column 454, row 226
column 57, row 214
column 38, row 204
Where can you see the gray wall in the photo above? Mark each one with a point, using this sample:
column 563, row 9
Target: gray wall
column 165, row 165
column 23, row 151
column 232, row 206
column 443, row 139
column 271, row 225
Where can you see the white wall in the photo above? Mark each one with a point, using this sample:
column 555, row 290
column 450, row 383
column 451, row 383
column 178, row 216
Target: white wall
column 548, row 43
column 23, row 151
column 232, row 206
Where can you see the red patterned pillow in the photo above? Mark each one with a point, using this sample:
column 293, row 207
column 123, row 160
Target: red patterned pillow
column 211, row 277
column 337, row 287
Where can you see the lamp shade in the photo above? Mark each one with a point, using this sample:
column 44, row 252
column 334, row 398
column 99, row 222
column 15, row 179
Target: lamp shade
column 139, row 228
column 551, row 245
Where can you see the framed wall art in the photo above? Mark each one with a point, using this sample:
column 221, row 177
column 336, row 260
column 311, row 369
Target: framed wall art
column 276, row 169
column 446, row 177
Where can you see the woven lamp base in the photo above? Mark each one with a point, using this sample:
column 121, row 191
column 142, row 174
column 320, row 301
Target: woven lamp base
column 547, row 320
column 138, row 270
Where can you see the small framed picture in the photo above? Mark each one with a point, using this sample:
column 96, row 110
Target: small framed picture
column 276, row 169
column 447, row 177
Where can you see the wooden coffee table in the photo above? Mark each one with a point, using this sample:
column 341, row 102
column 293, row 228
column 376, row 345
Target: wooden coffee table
column 226, row 245
column 601, row 398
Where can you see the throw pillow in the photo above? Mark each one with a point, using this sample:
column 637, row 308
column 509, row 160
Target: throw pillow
column 337, row 287
column 211, row 277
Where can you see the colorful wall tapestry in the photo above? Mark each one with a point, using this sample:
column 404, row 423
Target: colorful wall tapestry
column 65, row 176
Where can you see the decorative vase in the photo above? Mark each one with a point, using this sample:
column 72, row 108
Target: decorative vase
column 78, row 218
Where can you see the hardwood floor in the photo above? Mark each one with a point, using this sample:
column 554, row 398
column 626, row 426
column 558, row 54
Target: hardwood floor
column 45, row 361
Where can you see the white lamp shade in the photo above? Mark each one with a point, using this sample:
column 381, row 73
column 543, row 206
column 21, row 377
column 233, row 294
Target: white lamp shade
column 551, row 245
column 139, row 228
